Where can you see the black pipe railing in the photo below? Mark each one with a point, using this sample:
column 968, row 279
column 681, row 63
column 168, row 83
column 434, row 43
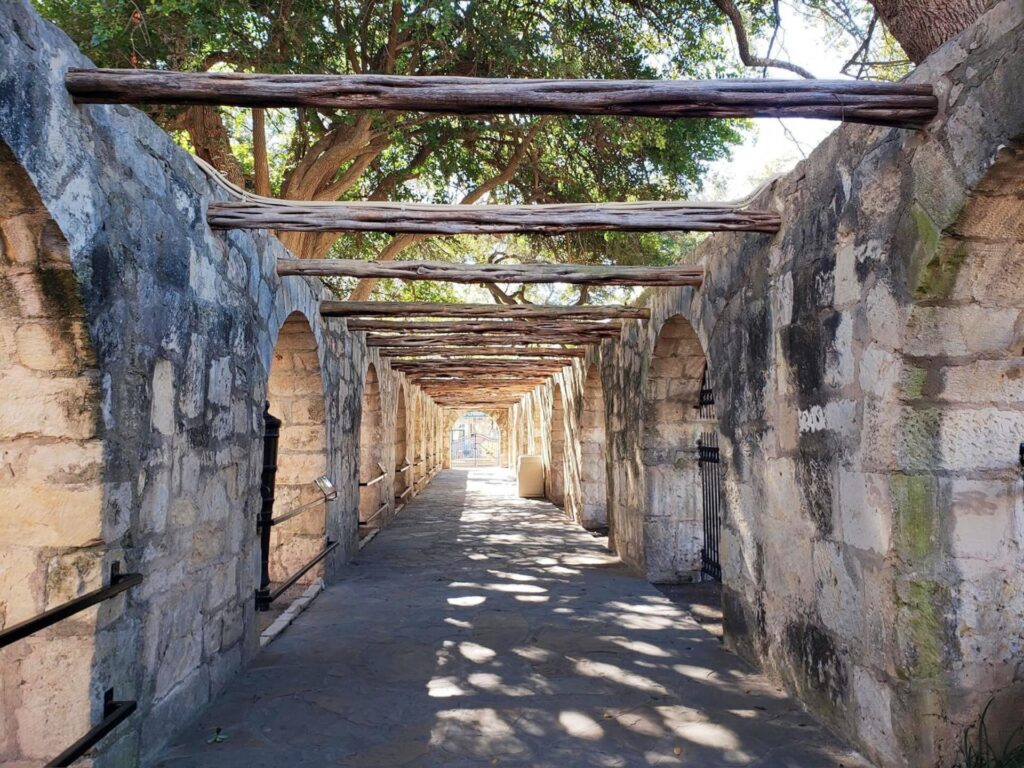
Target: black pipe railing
column 366, row 523
column 263, row 601
column 114, row 713
column 119, row 582
column 379, row 478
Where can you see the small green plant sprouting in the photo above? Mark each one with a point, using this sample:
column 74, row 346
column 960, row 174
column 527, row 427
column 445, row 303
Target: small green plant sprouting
column 976, row 750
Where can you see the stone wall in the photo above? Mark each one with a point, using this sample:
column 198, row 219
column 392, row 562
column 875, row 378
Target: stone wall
column 867, row 365
column 137, row 349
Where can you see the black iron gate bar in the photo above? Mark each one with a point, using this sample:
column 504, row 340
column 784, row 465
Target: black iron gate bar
column 708, row 460
column 705, row 406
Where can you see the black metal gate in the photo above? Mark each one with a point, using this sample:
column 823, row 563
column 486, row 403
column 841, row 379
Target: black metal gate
column 711, row 488
column 711, row 483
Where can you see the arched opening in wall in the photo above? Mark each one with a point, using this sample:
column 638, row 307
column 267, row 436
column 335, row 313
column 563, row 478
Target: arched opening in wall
column 555, row 476
column 475, row 441
column 593, row 455
column 372, row 473
column 680, row 527
column 55, row 537
column 295, row 396
column 403, row 467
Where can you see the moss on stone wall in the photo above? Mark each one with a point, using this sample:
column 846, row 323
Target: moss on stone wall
column 913, row 499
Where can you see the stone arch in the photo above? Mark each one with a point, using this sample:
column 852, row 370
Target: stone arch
column 948, row 439
column 370, row 455
column 402, row 465
column 295, row 391
column 554, row 478
column 593, row 453
column 673, row 531
column 54, row 528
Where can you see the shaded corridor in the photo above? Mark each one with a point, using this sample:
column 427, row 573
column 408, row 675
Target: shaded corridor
column 481, row 629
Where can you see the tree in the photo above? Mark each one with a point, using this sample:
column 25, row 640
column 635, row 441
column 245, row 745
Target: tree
column 921, row 26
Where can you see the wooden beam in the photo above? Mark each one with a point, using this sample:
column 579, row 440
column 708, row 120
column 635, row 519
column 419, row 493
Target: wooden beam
column 577, row 274
column 896, row 104
column 456, row 352
column 425, row 219
column 603, row 328
column 487, row 311
column 477, row 365
column 476, row 339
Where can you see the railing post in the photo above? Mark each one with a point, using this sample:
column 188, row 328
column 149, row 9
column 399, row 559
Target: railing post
column 268, row 480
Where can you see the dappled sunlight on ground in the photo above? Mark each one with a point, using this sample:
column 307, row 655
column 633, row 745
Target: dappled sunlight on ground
column 484, row 630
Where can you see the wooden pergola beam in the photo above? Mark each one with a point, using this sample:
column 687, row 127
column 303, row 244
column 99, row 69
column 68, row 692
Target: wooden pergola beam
column 475, row 339
column 425, row 219
column 609, row 328
column 895, row 104
column 576, row 274
column 486, row 311
column 457, row 352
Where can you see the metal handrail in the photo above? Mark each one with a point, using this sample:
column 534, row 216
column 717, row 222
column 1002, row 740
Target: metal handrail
column 263, row 601
column 375, row 515
column 297, row 511
column 114, row 713
column 377, row 479
column 119, row 582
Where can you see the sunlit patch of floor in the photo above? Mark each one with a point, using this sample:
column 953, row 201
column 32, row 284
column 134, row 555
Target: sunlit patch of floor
column 482, row 629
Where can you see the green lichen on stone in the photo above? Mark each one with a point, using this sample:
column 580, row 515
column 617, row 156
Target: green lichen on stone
column 939, row 275
column 912, row 380
column 934, row 272
column 923, row 628
column 919, row 438
column 914, row 501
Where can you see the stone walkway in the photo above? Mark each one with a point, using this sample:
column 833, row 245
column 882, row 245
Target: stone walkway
column 482, row 630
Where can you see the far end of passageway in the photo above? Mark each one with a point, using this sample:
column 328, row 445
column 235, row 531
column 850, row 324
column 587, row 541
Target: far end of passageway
column 482, row 629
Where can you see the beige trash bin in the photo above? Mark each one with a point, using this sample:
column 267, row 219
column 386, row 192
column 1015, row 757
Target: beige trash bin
column 531, row 477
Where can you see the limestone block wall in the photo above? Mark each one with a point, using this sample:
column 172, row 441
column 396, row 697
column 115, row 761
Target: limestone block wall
column 138, row 351
column 866, row 364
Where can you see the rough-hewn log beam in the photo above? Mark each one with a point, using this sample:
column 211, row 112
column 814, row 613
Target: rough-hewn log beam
column 485, row 326
column 577, row 274
column 424, row 219
column 456, row 352
column 476, row 339
column 486, row 311
column 897, row 104
column 482, row 371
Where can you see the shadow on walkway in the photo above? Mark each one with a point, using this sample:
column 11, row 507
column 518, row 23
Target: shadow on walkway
column 481, row 629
